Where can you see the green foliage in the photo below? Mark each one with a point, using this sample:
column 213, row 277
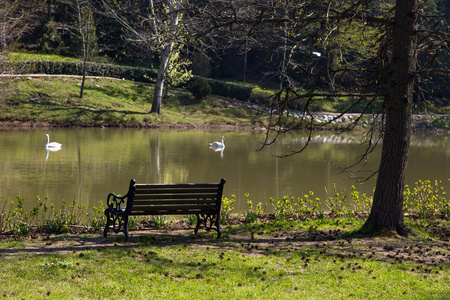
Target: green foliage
column 233, row 91
column 199, row 88
column 159, row 221
column 426, row 199
column 282, row 207
column 19, row 220
column 57, row 225
column 49, row 40
column 226, row 209
column 251, row 215
column 177, row 73
column 191, row 219
column 92, row 69
column 361, row 203
column 337, row 204
column 302, row 208
column 98, row 218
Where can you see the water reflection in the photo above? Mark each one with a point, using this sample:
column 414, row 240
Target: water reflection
column 48, row 150
column 218, row 150
column 97, row 161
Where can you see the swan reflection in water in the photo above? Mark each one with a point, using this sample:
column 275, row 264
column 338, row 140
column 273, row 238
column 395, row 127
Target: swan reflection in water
column 53, row 146
column 218, row 150
column 218, row 146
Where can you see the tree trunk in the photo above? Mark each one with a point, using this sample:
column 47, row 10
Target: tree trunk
column 387, row 209
column 159, row 85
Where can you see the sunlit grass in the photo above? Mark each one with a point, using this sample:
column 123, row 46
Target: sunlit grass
column 27, row 56
column 157, row 266
column 108, row 102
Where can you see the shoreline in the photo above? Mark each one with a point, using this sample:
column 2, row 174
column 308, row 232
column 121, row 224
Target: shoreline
column 420, row 123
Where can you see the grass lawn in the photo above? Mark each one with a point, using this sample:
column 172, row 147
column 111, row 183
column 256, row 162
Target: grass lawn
column 55, row 101
column 318, row 259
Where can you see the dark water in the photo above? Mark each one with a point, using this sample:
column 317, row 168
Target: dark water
column 95, row 162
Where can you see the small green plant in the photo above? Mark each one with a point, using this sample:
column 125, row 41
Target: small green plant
column 159, row 221
column 4, row 213
column 132, row 223
column 191, row 219
column 57, row 226
column 21, row 228
column 336, row 204
column 98, row 220
column 282, row 207
column 426, row 198
column 251, row 215
column 306, row 207
column 361, row 203
column 227, row 209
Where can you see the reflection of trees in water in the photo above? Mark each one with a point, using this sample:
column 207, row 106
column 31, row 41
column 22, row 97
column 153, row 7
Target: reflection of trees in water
column 171, row 171
column 428, row 139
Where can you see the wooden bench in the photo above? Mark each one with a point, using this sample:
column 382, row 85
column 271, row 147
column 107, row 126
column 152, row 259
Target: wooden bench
column 200, row 199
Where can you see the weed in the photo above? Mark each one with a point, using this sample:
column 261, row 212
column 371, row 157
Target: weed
column 282, row 207
column 251, row 215
column 191, row 219
column 426, row 198
column 159, row 221
column 227, row 209
column 56, row 226
column 98, row 220
column 336, row 204
column 306, row 207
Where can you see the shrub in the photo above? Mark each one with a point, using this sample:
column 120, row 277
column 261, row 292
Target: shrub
column 227, row 209
column 49, row 41
column 199, row 88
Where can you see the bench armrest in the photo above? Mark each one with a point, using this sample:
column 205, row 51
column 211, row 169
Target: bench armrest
column 118, row 204
column 115, row 202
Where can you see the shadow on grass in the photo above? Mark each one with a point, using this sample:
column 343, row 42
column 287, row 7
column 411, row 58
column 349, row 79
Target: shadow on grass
column 305, row 244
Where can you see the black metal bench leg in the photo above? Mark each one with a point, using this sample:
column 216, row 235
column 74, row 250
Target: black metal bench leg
column 198, row 224
column 108, row 221
column 125, row 228
column 219, row 230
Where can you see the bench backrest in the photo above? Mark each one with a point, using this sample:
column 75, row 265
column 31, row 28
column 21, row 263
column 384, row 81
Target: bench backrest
column 175, row 199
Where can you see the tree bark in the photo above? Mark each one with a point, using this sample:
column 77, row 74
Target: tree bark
column 387, row 209
column 159, row 85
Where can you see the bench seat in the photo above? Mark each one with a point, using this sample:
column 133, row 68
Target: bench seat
column 200, row 199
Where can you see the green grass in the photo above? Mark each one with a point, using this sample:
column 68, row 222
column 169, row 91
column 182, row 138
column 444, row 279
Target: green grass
column 27, row 56
column 289, row 260
column 108, row 102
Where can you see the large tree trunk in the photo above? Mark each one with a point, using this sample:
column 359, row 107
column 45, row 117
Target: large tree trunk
column 387, row 208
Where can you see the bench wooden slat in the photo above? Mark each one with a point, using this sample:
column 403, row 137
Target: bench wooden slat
column 174, row 207
column 170, row 210
column 175, row 191
column 176, row 185
column 161, row 201
column 176, row 196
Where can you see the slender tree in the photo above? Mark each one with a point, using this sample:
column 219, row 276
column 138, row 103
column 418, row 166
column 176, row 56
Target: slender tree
column 85, row 42
column 154, row 29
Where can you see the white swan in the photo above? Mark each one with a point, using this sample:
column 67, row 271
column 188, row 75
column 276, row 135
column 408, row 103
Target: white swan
column 218, row 145
column 52, row 145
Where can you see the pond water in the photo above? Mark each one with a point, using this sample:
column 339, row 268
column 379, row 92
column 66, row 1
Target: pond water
column 94, row 162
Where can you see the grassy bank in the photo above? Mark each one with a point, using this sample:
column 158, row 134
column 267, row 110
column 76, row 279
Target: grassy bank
column 55, row 101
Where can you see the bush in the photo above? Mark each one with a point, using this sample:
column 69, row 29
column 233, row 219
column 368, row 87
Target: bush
column 199, row 88
column 49, row 40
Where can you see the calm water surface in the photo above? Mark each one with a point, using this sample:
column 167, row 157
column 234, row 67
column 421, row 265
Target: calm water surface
column 95, row 162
